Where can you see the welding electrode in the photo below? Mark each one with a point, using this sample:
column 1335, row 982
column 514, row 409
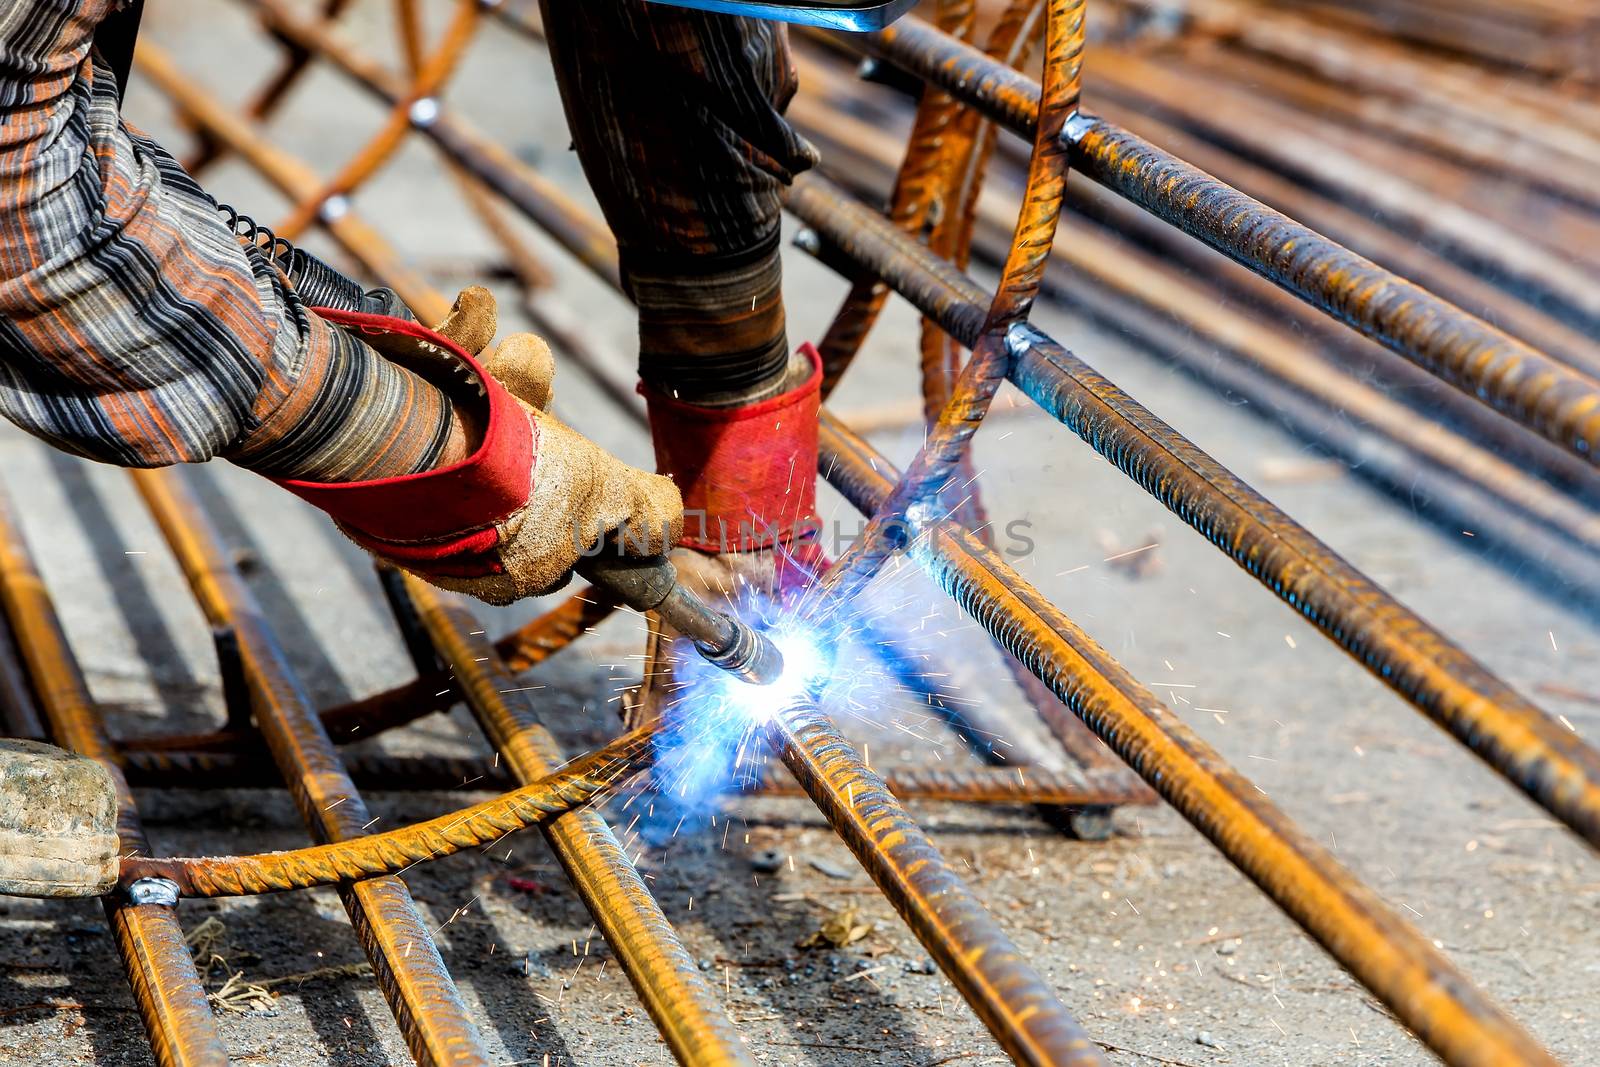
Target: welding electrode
column 652, row 585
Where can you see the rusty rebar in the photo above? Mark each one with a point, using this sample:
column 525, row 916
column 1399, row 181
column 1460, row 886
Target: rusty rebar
column 1017, row 1006
column 1549, row 763
column 404, row 958
column 1380, row 949
column 1015, row 784
column 666, row 978
column 945, row 446
column 1468, row 485
column 1459, row 348
column 920, row 185
column 166, row 987
column 429, row 76
column 289, row 175
column 583, row 781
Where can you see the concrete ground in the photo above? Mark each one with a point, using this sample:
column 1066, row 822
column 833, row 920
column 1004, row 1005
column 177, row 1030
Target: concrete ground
column 1163, row 952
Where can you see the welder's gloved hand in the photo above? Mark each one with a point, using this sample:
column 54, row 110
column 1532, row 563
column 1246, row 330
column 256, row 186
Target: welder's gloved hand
column 512, row 518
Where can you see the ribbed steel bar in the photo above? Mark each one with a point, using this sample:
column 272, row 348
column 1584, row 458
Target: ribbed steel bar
column 166, row 987
column 269, row 96
column 1262, row 122
column 527, row 268
column 1022, row 784
column 1482, row 487
column 1381, row 69
column 1459, row 348
column 1017, row 1006
column 178, row 769
column 436, row 1024
column 585, row 780
column 1548, row 762
column 573, row 227
column 970, row 142
column 1385, row 953
column 531, row 644
column 667, row 979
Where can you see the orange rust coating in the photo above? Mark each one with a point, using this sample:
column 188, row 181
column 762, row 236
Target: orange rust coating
column 583, row 781
column 405, row 961
column 1551, row 764
column 166, row 987
column 430, row 75
column 1380, row 949
column 1017, row 1006
column 666, row 978
column 969, row 145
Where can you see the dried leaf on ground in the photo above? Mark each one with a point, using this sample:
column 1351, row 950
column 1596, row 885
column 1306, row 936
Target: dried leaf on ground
column 840, row 928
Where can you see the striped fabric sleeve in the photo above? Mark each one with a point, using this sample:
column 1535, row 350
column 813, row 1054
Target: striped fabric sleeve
column 135, row 329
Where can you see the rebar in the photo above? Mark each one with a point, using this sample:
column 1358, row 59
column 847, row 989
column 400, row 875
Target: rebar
column 584, row 781
column 1548, row 762
column 1385, row 953
column 420, row 992
column 1459, row 348
column 166, row 987
column 1017, row 1006
column 1017, row 784
column 666, row 977
column 936, row 193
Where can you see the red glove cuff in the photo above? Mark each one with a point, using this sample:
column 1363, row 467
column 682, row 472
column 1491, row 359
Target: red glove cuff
column 448, row 514
column 748, row 475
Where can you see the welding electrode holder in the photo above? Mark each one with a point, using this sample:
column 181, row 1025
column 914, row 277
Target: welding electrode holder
column 652, row 585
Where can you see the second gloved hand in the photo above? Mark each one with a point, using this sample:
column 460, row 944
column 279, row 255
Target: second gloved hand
column 530, row 497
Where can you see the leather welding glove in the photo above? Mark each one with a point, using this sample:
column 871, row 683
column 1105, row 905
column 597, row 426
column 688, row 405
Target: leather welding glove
column 512, row 519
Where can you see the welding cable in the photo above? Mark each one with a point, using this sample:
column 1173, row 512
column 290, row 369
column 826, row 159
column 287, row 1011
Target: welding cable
column 579, row 783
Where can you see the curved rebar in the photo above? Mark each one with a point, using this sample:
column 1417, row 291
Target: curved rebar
column 1019, row 283
column 581, row 782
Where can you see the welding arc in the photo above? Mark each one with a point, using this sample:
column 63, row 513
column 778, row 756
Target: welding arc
column 579, row 783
